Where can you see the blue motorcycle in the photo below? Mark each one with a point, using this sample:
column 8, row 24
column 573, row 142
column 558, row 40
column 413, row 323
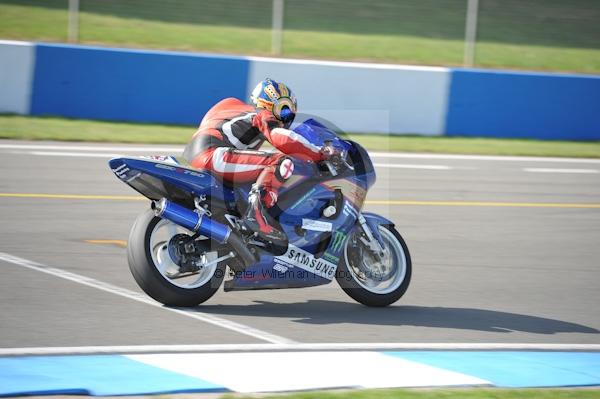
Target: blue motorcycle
column 192, row 238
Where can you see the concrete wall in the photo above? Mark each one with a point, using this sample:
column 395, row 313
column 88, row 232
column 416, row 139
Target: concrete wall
column 527, row 105
column 364, row 97
column 129, row 85
column 172, row 87
column 16, row 74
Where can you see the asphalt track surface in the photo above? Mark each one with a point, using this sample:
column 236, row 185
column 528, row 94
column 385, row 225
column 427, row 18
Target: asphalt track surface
column 504, row 251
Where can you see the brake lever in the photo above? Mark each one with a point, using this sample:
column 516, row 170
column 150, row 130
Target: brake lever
column 332, row 169
column 344, row 157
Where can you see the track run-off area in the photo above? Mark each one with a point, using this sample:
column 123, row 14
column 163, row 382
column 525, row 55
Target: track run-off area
column 505, row 256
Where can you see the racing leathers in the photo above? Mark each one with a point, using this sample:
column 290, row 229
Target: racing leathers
column 227, row 143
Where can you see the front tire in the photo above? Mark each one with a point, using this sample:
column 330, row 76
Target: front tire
column 148, row 263
column 375, row 282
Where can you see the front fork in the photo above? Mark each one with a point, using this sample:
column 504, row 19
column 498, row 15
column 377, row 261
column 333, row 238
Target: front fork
column 371, row 239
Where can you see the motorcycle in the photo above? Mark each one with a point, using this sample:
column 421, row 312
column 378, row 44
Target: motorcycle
column 192, row 237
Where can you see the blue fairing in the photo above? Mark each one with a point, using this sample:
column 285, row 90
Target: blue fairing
column 318, row 134
column 374, row 220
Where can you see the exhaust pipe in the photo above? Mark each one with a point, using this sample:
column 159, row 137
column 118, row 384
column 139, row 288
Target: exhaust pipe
column 205, row 226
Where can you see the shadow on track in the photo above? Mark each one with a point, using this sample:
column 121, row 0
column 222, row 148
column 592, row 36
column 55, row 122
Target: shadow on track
column 320, row 312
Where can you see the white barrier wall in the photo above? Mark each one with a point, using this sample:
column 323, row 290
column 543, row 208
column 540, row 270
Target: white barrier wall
column 16, row 75
column 364, row 97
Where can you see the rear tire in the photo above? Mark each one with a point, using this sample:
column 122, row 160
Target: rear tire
column 365, row 286
column 147, row 275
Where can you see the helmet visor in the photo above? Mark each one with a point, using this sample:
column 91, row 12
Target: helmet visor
column 287, row 116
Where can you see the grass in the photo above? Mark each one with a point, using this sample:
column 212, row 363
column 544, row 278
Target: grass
column 31, row 128
column 36, row 128
column 537, row 34
column 443, row 394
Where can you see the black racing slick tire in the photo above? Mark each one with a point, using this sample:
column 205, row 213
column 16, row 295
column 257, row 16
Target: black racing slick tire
column 152, row 281
column 376, row 287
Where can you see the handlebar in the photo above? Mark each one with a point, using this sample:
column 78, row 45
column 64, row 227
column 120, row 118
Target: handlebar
column 337, row 163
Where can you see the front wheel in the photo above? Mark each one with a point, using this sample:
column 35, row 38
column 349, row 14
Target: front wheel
column 375, row 279
column 156, row 272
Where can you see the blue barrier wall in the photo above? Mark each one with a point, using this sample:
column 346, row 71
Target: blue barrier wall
column 130, row 85
column 527, row 105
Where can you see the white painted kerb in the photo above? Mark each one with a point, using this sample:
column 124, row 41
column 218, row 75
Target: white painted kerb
column 16, row 76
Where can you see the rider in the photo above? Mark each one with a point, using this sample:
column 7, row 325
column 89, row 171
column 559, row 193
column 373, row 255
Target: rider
column 227, row 141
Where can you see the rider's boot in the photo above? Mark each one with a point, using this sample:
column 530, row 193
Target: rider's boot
column 258, row 220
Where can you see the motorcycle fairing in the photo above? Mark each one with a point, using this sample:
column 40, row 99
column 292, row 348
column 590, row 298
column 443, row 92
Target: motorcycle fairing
column 313, row 255
column 318, row 134
column 285, row 271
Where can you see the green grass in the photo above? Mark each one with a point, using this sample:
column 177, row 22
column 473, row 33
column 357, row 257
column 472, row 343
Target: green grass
column 443, row 394
column 34, row 128
column 537, row 34
column 31, row 128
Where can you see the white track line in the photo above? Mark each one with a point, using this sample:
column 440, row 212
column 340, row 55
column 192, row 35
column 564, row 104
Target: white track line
column 90, row 282
column 481, row 157
column 73, row 154
column 551, row 170
column 100, row 147
column 114, row 155
column 224, row 348
column 149, row 149
column 410, row 166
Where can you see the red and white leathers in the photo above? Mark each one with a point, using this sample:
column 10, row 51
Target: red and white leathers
column 227, row 141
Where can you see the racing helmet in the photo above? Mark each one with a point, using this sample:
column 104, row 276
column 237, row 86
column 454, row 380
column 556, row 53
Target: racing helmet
column 277, row 98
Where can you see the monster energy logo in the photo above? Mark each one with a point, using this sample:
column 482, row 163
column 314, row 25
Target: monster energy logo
column 331, row 258
column 337, row 241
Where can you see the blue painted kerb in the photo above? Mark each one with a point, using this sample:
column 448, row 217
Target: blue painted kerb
column 140, row 86
column 98, row 375
column 516, row 369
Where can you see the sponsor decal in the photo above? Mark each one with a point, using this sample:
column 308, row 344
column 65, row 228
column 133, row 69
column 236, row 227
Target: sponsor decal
column 349, row 210
column 280, row 268
column 192, row 173
column 163, row 166
column 331, row 258
column 316, row 225
column 179, row 170
column 121, row 171
column 297, row 257
column 162, row 158
column 335, row 246
column 337, row 241
column 286, row 168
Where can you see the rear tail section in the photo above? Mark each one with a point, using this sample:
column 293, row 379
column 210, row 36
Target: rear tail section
column 168, row 177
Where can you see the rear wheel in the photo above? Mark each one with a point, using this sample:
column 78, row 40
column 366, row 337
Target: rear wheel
column 156, row 266
column 375, row 279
